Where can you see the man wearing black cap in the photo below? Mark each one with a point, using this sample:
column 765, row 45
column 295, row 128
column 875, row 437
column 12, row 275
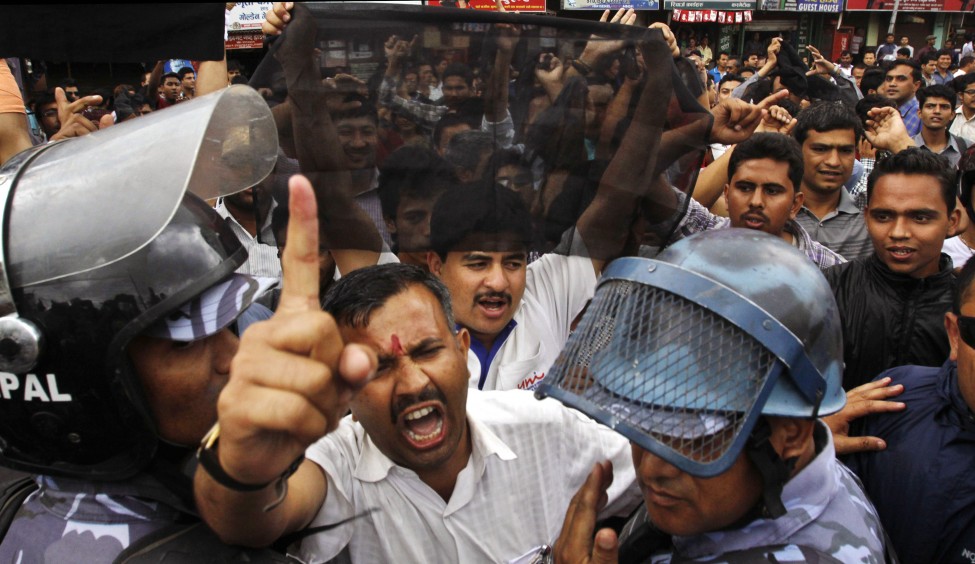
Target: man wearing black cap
column 928, row 48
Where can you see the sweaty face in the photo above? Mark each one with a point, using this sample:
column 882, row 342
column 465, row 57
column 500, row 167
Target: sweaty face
column 415, row 409
column 485, row 288
column 455, row 90
column 899, row 84
column 681, row 504
column 359, row 139
column 182, row 382
column 761, row 196
column 936, row 113
column 726, row 89
column 828, row 159
column 908, row 221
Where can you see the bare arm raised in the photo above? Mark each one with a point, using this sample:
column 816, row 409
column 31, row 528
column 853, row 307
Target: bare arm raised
column 291, row 382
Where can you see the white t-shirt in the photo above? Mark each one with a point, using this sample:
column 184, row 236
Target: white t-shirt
column 957, row 250
column 528, row 459
column 557, row 288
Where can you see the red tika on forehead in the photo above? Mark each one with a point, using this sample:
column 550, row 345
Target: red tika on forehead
column 396, row 347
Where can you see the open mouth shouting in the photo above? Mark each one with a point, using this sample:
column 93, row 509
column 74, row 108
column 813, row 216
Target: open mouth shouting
column 424, row 425
column 493, row 305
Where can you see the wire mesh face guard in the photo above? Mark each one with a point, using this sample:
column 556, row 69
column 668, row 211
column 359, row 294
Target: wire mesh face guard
column 674, row 376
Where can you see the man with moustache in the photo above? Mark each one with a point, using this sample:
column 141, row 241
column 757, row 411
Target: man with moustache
column 424, row 467
column 729, row 453
column 762, row 193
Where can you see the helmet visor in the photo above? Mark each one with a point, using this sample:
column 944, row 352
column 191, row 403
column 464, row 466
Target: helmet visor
column 675, row 378
column 88, row 202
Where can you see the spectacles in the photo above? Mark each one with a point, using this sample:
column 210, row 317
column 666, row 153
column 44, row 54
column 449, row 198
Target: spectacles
column 966, row 328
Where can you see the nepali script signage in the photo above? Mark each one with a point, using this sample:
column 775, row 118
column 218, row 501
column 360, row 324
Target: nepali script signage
column 610, row 4
column 709, row 5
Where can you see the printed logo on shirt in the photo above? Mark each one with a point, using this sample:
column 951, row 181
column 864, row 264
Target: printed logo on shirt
column 531, row 382
column 32, row 388
column 968, row 555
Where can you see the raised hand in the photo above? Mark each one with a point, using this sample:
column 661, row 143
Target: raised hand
column 293, row 377
column 735, row 120
column 277, row 18
column 873, row 397
column 73, row 124
column 576, row 543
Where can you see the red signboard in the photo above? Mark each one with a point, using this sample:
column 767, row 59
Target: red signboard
column 509, row 5
column 719, row 16
column 249, row 40
column 913, row 5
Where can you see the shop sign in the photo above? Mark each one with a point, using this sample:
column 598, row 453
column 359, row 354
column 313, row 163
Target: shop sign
column 710, row 5
column 912, row 5
column 712, row 16
column 247, row 16
column 246, row 40
column 830, row 6
column 610, row 4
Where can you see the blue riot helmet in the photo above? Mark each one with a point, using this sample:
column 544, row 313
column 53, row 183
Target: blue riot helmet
column 107, row 237
column 685, row 353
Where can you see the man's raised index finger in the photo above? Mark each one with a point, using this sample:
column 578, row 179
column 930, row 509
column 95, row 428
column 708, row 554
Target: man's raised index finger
column 299, row 262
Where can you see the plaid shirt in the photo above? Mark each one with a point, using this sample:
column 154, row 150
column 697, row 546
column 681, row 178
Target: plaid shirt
column 424, row 115
column 699, row 218
column 912, row 121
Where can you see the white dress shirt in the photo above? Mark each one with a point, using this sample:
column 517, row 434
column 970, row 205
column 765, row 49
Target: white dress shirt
column 528, row 459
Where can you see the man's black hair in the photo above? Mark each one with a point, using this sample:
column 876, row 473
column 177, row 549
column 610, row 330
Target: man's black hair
column 185, row 71
column 41, row 99
column 960, row 83
column 780, row 148
column 827, row 116
column 466, row 149
column 916, row 74
column 478, row 208
column 945, row 52
column 904, row 52
column 937, row 91
column 928, row 56
column 169, row 75
column 413, row 172
column 860, row 66
column 963, row 287
column 872, row 79
column 446, row 121
column 966, row 60
column 723, row 53
column 461, row 70
column 869, row 102
column 917, row 160
column 354, row 297
column 67, row 82
column 845, row 52
column 743, row 70
column 730, row 77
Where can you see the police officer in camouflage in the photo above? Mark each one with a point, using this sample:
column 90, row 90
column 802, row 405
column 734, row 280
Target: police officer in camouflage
column 716, row 360
column 119, row 295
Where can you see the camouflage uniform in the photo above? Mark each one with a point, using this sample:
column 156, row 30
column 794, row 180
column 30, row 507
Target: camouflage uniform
column 69, row 520
column 828, row 519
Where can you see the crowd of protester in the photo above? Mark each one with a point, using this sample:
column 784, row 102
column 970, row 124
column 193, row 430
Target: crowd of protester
column 458, row 216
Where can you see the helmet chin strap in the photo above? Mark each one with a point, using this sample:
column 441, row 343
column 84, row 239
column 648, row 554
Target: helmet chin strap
column 774, row 470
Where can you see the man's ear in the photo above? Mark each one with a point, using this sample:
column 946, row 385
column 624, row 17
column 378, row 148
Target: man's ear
column 434, row 264
column 791, row 437
column 797, row 202
column 954, row 218
column 390, row 224
column 951, row 327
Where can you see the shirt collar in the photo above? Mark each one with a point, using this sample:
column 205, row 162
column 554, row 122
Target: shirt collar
column 952, row 142
column 374, row 466
column 847, row 205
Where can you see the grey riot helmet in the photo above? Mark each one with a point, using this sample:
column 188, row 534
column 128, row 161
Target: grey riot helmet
column 684, row 354
column 107, row 237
